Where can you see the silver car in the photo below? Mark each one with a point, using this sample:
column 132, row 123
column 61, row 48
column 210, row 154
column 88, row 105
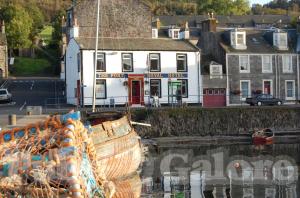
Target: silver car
column 5, row 95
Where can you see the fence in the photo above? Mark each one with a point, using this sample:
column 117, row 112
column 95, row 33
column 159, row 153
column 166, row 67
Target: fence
column 148, row 101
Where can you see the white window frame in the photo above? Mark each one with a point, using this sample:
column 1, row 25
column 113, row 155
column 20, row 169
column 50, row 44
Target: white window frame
column 294, row 90
column 249, row 89
column 248, row 67
column 243, row 39
column 284, row 70
column 266, row 80
column 262, row 64
column 178, row 34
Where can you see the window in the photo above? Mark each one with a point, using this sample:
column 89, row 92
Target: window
column 244, row 64
column 155, row 62
column 240, row 39
column 101, row 62
column 245, row 89
column 127, row 63
column 181, row 62
column 290, row 89
column 287, row 64
column 176, row 34
column 267, row 64
column 155, row 87
column 283, row 40
column 184, row 88
column 100, row 89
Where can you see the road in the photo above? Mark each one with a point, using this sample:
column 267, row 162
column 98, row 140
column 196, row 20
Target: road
column 31, row 92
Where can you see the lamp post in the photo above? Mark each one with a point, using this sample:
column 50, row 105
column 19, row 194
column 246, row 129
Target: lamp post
column 95, row 61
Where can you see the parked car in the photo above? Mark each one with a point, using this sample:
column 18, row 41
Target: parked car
column 5, row 96
column 263, row 99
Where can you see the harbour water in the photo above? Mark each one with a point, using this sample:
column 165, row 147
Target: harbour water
column 237, row 170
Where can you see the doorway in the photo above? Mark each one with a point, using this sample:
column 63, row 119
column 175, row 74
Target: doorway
column 136, row 89
column 136, row 92
column 267, row 87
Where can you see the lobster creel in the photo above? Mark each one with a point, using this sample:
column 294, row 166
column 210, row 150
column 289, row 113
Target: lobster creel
column 118, row 148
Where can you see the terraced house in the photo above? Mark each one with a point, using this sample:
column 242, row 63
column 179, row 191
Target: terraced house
column 137, row 63
column 255, row 61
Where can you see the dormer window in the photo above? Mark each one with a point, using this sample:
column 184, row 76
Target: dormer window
column 174, row 33
column 280, row 40
column 238, row 39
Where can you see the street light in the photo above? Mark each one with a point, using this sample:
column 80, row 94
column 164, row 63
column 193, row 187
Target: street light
column 95, row 61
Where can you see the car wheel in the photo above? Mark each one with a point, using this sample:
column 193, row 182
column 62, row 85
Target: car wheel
column 259, row 103
column 279, row 103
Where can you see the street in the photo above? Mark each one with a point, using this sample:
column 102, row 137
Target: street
column 32, row 92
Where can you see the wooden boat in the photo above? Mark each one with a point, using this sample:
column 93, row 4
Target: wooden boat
column 264, row 136
column 118, row 147
column 128, row 187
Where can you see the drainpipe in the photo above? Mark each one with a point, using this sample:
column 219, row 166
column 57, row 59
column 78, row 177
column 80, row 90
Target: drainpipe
column 276, row 79
column 227, row 79
column 198, row 59
column 298, row 79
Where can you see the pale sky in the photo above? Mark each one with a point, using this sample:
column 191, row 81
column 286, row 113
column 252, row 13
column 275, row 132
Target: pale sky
column 259, row 1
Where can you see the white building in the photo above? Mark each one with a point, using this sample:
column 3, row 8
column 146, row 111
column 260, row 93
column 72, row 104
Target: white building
column 131, row 70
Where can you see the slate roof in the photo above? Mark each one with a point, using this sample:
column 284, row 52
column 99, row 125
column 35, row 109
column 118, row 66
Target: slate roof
column 258, row 41
column 3, row 40
column 244, row 20
column 136, row 44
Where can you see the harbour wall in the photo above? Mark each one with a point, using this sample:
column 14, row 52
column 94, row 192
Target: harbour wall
column 172, row 122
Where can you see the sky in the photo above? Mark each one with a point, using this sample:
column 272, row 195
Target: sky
column 259, row 1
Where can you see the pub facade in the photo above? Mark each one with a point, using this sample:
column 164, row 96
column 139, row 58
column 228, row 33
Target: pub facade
column 133, row 71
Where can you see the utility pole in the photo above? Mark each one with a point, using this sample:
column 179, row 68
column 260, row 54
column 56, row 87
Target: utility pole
column 95, row 61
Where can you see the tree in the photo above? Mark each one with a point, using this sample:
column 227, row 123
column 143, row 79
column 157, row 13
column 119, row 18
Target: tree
column 18, row 26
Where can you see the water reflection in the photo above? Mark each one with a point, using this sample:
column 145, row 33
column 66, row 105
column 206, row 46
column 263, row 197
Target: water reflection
column 237, row 171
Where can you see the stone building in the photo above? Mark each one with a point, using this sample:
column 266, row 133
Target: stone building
column 254, row 61
column 3, row 52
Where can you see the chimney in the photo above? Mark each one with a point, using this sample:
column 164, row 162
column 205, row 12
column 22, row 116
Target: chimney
column 210, row 25
column 185, row 32
column 74, row 31
column 157, row 24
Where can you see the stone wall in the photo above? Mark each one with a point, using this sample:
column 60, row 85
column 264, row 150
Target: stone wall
column 119, row 18
column 214, row 122
column 3, row 62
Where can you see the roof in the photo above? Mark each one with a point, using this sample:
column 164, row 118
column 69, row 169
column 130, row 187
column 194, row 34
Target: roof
column 243, row 20
column 257, row 42
column 136, row 44
column 3, row 40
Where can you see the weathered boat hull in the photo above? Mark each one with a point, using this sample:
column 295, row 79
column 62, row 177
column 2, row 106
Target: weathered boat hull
column 129, row 187
column 121, row 154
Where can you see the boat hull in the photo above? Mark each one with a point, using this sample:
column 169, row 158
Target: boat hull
column 121, row 153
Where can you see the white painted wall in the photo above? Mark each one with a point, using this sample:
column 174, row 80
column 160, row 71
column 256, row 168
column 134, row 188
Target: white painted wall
column 115, row 88
column 72, row 74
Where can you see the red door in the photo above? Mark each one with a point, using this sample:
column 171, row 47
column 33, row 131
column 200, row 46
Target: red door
column 267, row 87
column 136, row 92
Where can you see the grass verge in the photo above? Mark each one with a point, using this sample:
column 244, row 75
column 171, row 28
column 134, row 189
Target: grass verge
column 31, row 67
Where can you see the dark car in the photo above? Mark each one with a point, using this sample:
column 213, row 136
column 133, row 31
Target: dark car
column 263, row 99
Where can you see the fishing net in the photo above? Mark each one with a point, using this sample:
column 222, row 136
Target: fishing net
column 54, row 158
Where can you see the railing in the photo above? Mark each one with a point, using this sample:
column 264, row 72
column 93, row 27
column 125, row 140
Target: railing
column 153, row 102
